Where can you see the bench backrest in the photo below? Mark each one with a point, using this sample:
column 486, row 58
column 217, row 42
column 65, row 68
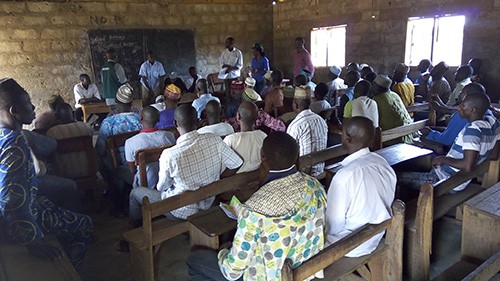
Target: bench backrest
column 214, row 83
column 404, row 130
column 428, row 209
column 114, row 142
column 75, row 145
column 331, row 154
column 150, row 211
column 337, row 250
column 146, row 156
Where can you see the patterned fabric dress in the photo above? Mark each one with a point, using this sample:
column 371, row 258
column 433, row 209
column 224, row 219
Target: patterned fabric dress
column 25, row 217
column 284, row 219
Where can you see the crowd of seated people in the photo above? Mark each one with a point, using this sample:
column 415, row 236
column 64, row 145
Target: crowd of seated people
column 260, row 124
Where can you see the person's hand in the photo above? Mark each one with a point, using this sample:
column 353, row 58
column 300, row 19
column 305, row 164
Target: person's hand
column 425, row 78
column 226, row 245
column 425, row 131
column 43, row 250
column 437, row 161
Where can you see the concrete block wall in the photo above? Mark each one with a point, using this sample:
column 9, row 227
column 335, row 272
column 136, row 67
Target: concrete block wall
column 44, row 45
column 380, row 42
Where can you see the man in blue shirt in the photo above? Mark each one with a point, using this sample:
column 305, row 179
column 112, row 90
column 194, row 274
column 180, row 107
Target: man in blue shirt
column 25, row 217
column 204, row 97
column 151, row 73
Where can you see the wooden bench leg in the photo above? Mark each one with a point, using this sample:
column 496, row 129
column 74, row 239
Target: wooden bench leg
column 142, row 264
column 199, row 238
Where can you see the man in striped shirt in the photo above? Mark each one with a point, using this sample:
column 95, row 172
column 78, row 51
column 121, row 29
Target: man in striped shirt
column 308, row 128
column 477, row 140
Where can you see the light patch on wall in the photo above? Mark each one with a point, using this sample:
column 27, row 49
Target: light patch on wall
column 328, row 45
column 439, row 39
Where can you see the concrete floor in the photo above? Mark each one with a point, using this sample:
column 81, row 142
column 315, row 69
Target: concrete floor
column 106, row 264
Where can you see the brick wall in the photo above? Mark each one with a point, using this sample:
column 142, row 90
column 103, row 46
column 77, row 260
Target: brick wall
column 44, row 45
column 380, row 42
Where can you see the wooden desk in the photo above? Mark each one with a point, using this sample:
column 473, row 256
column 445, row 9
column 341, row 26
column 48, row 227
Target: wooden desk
column 94, row 107
column 481, row 225
column 394, row 154
column 206, row 226
column 418, row 106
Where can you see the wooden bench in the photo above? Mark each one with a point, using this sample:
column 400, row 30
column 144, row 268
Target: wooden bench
column 86, row 181
column 433, row 202
column 145, row 156
column 114, row 142
column 418, row 106
column 143, row 239
column 17, row 264
column 385, row 262
column 480, row 239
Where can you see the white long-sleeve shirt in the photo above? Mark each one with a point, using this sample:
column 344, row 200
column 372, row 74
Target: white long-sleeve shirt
column 232, row 58
column 361, row 192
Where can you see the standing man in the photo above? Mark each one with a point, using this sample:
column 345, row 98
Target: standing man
column 151, row 72
column 112, row 77
column 232, row 60
column 301, row 58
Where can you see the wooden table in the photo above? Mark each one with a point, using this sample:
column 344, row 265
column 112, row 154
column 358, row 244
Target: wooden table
column 94, row 107
column 394, row 154
column 481, row 225
column 206, row 226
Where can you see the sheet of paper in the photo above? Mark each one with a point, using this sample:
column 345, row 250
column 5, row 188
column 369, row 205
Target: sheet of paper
column 222, row 73
column 226, row 209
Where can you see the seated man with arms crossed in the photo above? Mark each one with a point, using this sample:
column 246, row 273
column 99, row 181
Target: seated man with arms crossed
column 362, row 190
column 284, row 219
column 25, row 217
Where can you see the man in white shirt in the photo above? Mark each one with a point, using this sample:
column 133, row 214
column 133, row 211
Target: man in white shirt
column 214, row 125
column 84, row 91
column 191, row 79
column 231, row 59
column 151, row 73
column 362, row 190
column 463, row 78
column 336, row 84
column 195, row 161
column 362, row 105
column 203, row 96
column 248, row 142
column 308, row 128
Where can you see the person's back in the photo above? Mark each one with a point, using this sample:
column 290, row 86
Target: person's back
column 213, row 112
column 406, row 91
column 362, row 105
column 289, row 201
column 200, row 103
column 69, row 128
column 362, row 190
column 308, row 129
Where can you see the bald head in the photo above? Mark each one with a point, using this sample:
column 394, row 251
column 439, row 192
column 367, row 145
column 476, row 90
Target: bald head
column 248, row 113
column 357, row 133
column 351, row 78
column 213, row 112
column 64, row 113
column 149, row 117
column 186, row 118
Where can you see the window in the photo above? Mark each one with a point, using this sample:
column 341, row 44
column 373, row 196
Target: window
column 437, row 39
column 328, row 46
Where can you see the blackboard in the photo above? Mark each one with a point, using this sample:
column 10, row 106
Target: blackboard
column 174, row 48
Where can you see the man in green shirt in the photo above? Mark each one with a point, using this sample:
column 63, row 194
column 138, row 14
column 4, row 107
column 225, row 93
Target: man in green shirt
column 392, row 112
column 112, row 77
